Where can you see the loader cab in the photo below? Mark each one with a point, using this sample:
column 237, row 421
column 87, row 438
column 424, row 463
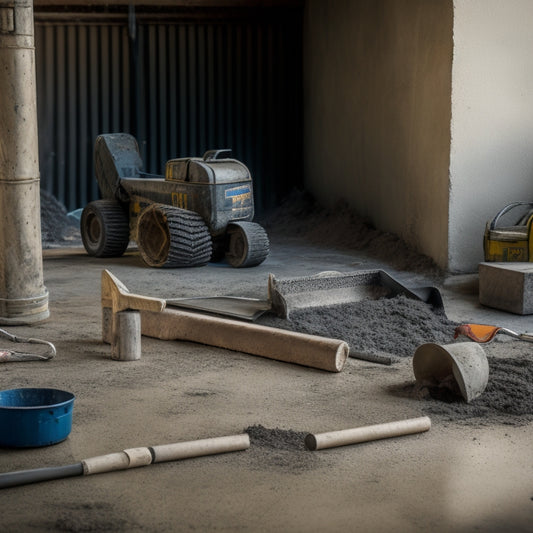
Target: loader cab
column 219, row 188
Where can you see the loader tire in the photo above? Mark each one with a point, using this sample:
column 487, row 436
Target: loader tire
column 105, row 229
column 248, row 244
column 171, row 237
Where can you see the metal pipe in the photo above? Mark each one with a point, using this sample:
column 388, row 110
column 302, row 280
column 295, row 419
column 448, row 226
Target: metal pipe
column 23, row 296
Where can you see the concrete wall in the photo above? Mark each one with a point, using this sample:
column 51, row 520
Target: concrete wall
column 492, row 119
column 377, row 105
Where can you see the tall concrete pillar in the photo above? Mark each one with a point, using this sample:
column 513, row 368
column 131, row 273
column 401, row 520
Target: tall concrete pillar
column 23, row 296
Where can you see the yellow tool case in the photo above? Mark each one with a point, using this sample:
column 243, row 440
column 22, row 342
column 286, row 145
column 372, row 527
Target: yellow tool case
column 510, row 243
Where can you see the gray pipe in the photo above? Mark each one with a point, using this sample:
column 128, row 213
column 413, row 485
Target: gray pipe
column 24, row 477
column 23, row 296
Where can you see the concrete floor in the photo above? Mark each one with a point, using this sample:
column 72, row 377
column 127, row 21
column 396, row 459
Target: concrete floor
column 456, row 477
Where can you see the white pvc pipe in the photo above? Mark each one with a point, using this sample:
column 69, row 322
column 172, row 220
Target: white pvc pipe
column 197, row 448
column 344, row 437
column 134, row 457
column 105, row 463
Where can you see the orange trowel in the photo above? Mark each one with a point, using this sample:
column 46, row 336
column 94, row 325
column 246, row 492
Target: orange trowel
column 483, row 333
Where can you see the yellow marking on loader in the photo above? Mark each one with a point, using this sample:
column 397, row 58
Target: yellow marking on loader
column 179, row 199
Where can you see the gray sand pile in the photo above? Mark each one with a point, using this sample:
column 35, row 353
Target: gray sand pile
column 279, row 439
column 279, row 448
column 302, row 217
column 56, row 227
column 395, row 326
column 398, row 326
column 508, row 398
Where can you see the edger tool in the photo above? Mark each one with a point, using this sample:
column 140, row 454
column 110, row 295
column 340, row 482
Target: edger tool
column 484, row 333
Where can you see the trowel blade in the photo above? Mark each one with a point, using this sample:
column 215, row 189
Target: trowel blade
column 233, row 306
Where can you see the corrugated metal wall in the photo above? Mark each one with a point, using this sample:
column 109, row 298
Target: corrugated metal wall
column 180, row 87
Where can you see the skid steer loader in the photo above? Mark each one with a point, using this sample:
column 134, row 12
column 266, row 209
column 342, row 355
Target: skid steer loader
column 200, row 211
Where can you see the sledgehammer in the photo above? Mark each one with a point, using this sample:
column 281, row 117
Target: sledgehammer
column 129, row 458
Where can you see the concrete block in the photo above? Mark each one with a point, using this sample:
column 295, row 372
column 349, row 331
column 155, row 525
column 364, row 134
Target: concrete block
column 507, row 286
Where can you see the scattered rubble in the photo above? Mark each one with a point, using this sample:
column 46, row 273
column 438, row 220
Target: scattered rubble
column 508, row 398
column 57, row 228
column 279, row 448
column 301, row 216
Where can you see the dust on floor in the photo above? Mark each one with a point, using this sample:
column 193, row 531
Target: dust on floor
column 508, row 398
column 395, row 326
column 301, row 216
column 280, row 448
column 398, row 326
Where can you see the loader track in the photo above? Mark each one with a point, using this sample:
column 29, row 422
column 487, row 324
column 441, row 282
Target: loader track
column 248, row 244
column 172, row 237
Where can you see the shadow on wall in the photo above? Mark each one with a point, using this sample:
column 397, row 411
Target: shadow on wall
column 298, row 216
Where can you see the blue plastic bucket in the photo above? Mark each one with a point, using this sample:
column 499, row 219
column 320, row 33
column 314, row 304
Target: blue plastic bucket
column 34, row 417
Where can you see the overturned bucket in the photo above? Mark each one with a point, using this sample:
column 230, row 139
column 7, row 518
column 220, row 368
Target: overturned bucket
column 463, row 362
column 31, row 417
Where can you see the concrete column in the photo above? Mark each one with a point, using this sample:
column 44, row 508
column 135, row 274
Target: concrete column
column 23, row 296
